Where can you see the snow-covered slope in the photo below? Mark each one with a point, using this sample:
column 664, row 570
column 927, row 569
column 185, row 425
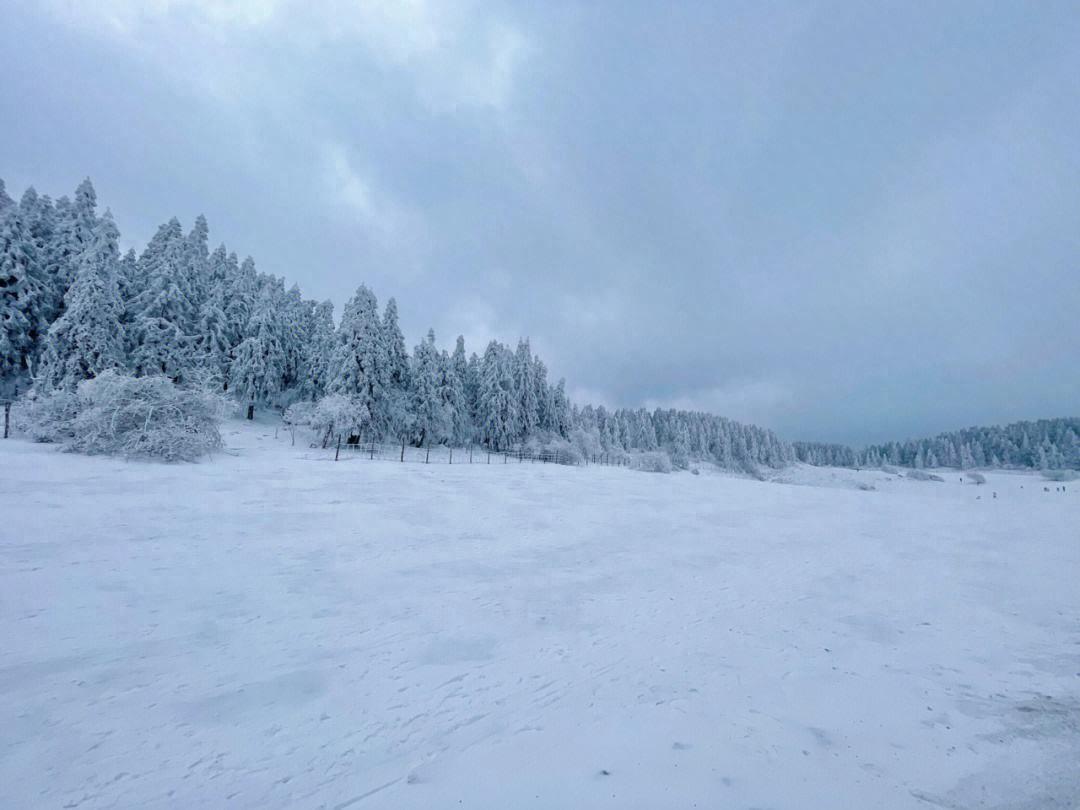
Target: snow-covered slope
column 271, row 629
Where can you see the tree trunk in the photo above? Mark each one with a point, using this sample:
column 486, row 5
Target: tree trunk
column 402, row 449
column 7, row 419
column 338, row 451
column 251, row 410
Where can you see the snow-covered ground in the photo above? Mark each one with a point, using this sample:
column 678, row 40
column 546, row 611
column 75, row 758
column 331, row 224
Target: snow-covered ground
column 271, row 629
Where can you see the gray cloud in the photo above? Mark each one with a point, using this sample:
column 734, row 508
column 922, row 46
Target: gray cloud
column 841, row 222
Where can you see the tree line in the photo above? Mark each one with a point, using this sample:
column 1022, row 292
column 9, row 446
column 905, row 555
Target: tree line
column 73, row 307
column 1045, row 444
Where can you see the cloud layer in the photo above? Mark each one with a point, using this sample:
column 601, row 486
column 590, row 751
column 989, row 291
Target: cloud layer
column 841, row 222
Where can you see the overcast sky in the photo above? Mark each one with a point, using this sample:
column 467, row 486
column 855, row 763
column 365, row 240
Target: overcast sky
column 845, row 221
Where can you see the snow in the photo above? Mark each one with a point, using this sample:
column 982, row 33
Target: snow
column 272, row 629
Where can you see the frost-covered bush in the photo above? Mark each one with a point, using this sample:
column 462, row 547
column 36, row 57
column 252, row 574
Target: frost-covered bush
column 656, row 461
column 339, row 415
column 299, row 414
column 923, row 475
column 569, row 454
column 46, row 418
column 551, row 444
column 586, row 441
column 135, row 417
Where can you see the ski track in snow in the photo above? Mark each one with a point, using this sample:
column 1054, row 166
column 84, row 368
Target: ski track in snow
column 271, row 629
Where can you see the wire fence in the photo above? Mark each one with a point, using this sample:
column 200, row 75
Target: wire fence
column 340, row 449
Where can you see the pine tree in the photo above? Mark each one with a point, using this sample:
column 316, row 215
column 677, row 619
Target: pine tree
column 87, row 340
column 296, row 325
column 497, row 406
column 195, row 272
column 258, row 370
column 397, row 358
column 433, row 420
column 320, row 350
column 243, row 288
column 22, row 303
column 74, row 231
column 561, row 418
column 542, row 394
column 5, row 201
column 39, row 217
column 472, row 390
column 458, row 369
column 528, row 408
column 214, row 342
column 359, row 364
column 160, row 317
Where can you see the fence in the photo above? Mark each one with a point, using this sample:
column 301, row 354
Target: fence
column 475, row 454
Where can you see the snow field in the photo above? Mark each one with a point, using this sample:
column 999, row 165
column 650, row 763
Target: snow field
column 271, row 629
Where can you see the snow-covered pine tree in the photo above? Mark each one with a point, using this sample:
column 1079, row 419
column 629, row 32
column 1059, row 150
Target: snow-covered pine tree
column 561, row 421
column 359, row 363
column 161, row 317
column 498, row 405
column 433, row 420
column 87, row 339
column 39, row 217
column 258, row 370
column 472, row 391
column 74, row 231
column 398, row 409
column 542, row 393
column 680, row 446
column 243, row 285
column 397, row 357
column 127, row 275
column 296, row 325
column 458, row 369
column 213, row 343
column 23, row 303
column 528, row 408
column 320, row 350
column 195, row 272
column 5, row 201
